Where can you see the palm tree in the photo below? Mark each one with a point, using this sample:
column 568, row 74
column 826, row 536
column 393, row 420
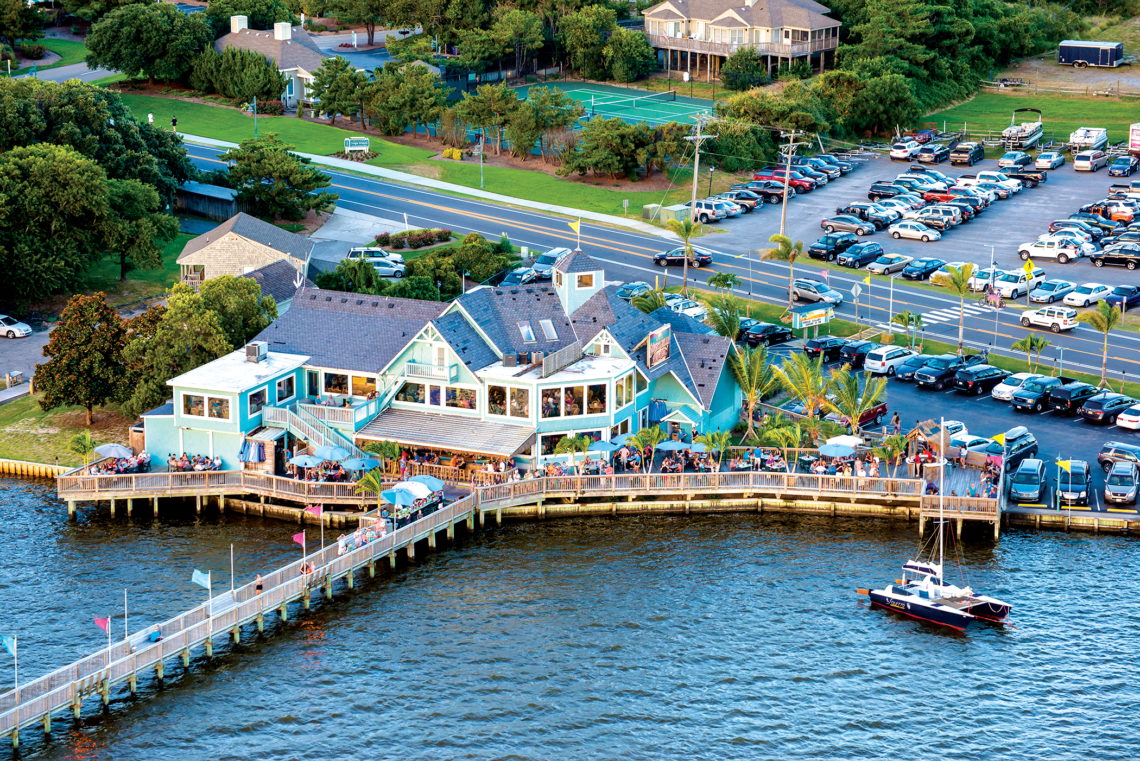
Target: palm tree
column 572, row 445
column 724, row 280
column 804, row 379
column 891, row 449
column 725, row 312
column 905, row 319
column 958, row 281
column 786, row 436
column 686, row 230
column 384, row 450
column 83, row 445
column 650, row 436
column 785, row 251
column 649, row 301
column 372, row 483
column 1032, row 344
column 718, row 442
column 755, row 377
column 853, row 399
column 1104, row 318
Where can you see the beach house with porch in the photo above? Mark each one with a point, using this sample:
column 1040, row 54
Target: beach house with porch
column 289, row 47
column 242, row 245
column 497, row 373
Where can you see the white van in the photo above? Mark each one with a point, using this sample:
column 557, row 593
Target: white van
column 885, row 359
column 1090, row 161
column 905, row 150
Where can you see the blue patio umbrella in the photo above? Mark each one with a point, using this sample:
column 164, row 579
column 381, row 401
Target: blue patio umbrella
column 360, row 463
column 332, row 452
column 673, row 446
column 603, row 447
column 431, row 482
column 306, row 461
column 398, row 497
column 621, row 439
column 698, row 447
column 836, row 450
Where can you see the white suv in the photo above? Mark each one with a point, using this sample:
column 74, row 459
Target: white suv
column 372, row 255
column 1016, row 283
column 1000, row 178
column 905, row 150
column 1055, row 318
column 1063, row 249
column 886, row 358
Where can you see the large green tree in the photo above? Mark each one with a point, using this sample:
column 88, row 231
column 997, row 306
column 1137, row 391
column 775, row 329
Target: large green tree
column 479, row 260
column 584, row 34
column 156, row 41
column 262, row 14
column 19, row 20
column 241, row 309
column 609, row 147
column 554, row 111
column 744, row 69
column 275, row 182
column 628, row 55
column 367, row 13
column 338, row 87
column 93, row 10
column 85, row 364
column 489, row 109
column 414, row 287
column 187, row 335
column 239, row 74
column 136, row 226
column 520, row 31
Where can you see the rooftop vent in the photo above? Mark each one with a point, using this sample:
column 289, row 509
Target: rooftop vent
column 256, row 351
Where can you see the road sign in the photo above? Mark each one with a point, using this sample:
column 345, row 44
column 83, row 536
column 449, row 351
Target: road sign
column 811, row 315
column 856, row 290
column 352, row 144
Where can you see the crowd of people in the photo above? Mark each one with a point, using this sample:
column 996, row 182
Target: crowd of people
column 328, row 471
column 363, row 535
column 758, row 459
column 862, row 466
column 140, row 463
column 198, row 462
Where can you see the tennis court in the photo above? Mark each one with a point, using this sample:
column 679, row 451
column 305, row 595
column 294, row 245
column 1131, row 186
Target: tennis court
column 630, row 104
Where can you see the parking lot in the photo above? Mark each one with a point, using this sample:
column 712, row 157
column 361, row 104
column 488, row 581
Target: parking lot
column 1005, row 225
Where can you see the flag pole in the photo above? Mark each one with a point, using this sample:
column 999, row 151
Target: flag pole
column 232, row 594
column 16, row 658
column 126, row 626
column 321, row 516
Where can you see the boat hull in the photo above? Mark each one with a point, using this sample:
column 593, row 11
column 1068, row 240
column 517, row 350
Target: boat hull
column 921, row 610
column 989, row 609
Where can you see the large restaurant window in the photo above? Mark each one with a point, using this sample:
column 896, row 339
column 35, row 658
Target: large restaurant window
column 313, row 382
column 586, row 281
column 596, row 399
column 623, row 388
column 551, row 403
column 572, row 400
column 497, row 400
column 257, row 400
column 363, row 385
column 286, row 388
column 336, row 383
column 520, row 402
column 219, row 408
column 461, row 398
column 505, row 401
column 193, row 404
column 411, row 392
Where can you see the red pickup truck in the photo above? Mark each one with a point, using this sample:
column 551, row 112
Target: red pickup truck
column 874, row 415
column 938, row 196
column 798, row 182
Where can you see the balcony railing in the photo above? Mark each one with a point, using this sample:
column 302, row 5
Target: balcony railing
column 431, row 372
column 783, row 50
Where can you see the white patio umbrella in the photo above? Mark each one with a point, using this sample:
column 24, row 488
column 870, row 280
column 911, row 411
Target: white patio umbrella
column 421, row 491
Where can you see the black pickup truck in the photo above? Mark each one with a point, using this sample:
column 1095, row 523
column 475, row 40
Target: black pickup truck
column 1069, row 397
column 1030, row 178
column 939, row 372
column 1033, row 394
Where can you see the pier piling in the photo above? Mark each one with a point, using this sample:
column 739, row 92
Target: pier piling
column 210, row 647
column 185, row 658
column 160, row 671
column 349, row 579
column 260, row 623
column 235, row 633
column 47, row 723
column 76, row 707
column 133, row 682
column 283, row 612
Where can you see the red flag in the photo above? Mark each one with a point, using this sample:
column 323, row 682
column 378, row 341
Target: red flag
column 299, row 538
column 315, row 510
column 826, row 274
column 104, row 624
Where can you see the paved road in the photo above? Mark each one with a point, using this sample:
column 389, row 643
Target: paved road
column 22, row 354
column 78, row 71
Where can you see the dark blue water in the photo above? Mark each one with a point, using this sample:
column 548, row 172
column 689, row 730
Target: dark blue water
column 729, row 637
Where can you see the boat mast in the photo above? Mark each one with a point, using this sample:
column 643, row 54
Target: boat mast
column 941, row 486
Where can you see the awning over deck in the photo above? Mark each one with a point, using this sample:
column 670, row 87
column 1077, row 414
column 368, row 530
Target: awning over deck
column 459, row 434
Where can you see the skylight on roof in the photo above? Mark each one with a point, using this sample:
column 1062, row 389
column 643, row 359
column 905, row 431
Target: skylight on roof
column 548, row 330
column 527, row 332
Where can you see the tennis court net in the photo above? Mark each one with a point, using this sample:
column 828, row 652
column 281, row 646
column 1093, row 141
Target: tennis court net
column 632, row 102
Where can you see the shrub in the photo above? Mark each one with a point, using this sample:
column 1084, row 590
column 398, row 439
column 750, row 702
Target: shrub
column 442, row 235
column 76, row 29
column 314, row 27
column 6, row 53
column 505, row 245
column 270, row 107
column 383, row 239
column 33, row 52
column 395, row 242
column 453, row 153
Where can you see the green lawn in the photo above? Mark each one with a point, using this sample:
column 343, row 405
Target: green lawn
column 70, row 51
column 1061, row 114
column 140, row 283
column 29, row 433
column 230, row 124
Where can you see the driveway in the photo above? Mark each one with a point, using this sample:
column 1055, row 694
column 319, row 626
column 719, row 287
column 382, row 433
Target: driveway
column 21, row 354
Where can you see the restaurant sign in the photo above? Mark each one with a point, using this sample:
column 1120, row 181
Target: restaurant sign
column 809, row 316
column 657, row 346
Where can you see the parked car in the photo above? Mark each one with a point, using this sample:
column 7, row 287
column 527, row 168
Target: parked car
column 1094, row 233
column 1117, row 451
column 832, row 245
column 709, row 211
column 905, row 150
column 1130, row 418
column 1113, row 211
column 970, row 207
column 855, row 353
column 997, row 178
column 983, row 278
column 1124, row 296
column 914, row 200
column 374, row 254
column 676, row 257
column 746, row 198
column 1000, row 192
column 915, row 230
column 844, row 166
column 799, row 169
column 630, row 291
column 847, row 223
column 1033, row 392
column 941, row 276
column 1030, row 178
column 901, row 205
column 766, row 333
column 979, row 379
column 10, row 327
column 1123, row 166
column 1059, row 247
column 809, row 289
column 1017, row 445
column 1056, row 318
column 949, row 214
column 827, row 347
column 860, row 254
column 868, row 213
column 1017, row 283
column 967, row 153
column 884, row 189
column 1049, row 160
column 1074, row 483
column 921, row 269
column 1128, row 236
column 1090, row 161
column 817, row 165
column 543, row 264
column 687, row 307
column 1014, row 160
column 1104, row 407
column 1120, row 255
column 796, row 182
column 1068, row 397
column 888, row 264
column 884, row 359
column 1121, row 484
column 769, row 190
column 905, row 370
column 1003, row 391
column 933, row 153
column 1051, row 290
column 932, row 220
column 519, row 276
column 388, row 268
column 1109, row 226
column 939, row 372
column 1086, row 294
column 1027, row 482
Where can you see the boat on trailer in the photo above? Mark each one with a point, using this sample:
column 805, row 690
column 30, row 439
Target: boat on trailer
column 1019, row 136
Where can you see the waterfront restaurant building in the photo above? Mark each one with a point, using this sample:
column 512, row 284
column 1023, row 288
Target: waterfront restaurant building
column 497, row 373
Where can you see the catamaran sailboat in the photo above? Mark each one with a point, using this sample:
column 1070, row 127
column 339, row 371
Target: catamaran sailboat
column 923, row 593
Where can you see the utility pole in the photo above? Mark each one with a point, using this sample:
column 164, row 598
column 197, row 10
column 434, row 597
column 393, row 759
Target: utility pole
column 789, row 150
column 696, row 140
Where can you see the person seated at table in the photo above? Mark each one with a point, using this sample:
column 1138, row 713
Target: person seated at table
column 670, row 465
column 931, row 487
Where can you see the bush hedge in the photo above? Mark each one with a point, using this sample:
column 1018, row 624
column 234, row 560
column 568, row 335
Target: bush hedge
column 413, row 238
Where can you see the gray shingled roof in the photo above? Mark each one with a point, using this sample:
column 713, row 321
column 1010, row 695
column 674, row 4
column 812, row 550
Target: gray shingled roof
column 210, row 191
column 773, row 14
column 297, row 246
column 298, row 52
column 681, row 323
column 348, row 331
column 705, row 357
column 498, row 312
column 467, row 343
column 577, row 262
column 278, row 280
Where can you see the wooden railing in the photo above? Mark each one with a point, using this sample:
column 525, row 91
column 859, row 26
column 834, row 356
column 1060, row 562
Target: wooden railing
column 127, row 485
column 728, row 48
column 345, row 415
column 456, row 476
column 979, row 508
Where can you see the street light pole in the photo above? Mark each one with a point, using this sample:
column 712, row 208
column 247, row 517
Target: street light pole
column 711, row 170
column 789, row 150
